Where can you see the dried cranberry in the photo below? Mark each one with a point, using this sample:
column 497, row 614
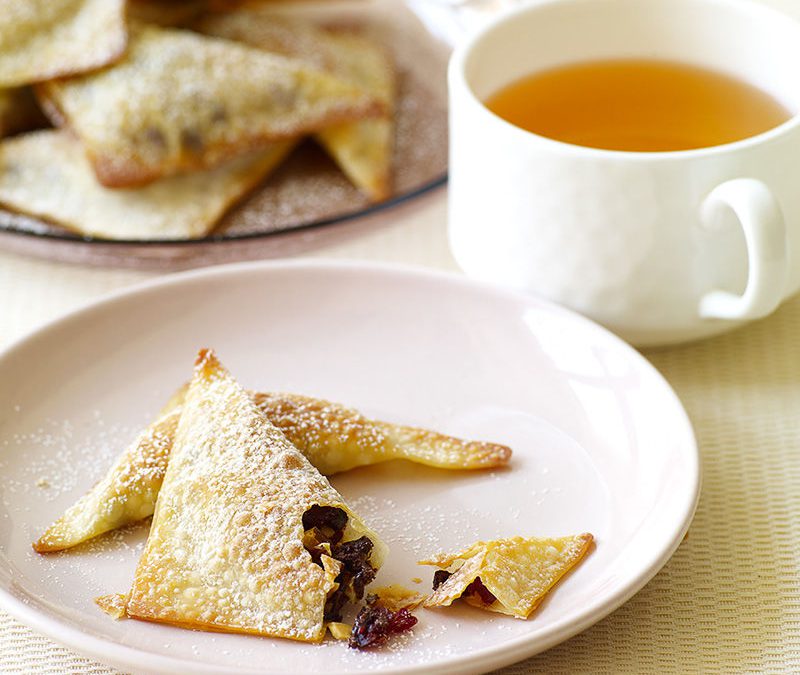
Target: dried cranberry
column 375, row 625
column 439, row 577
column 477, row 588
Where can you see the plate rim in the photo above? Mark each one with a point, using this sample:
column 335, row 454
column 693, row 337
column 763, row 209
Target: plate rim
column 70, row 237
column 520, row 648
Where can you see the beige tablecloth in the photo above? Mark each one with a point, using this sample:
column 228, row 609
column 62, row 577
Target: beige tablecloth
column 728, row 601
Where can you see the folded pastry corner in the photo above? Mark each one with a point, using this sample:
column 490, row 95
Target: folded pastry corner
column 43, row 39
column 363, row 148
column 247, row 535
column 172, row 105
column 126, row 494
column 509, row 576
column 336, row 438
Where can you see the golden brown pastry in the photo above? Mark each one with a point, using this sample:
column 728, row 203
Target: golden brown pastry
column 46, row 175
column 332, row 437
column 128, row 491
column 247, row 536
column 336, row 438
column 509, row 576
column 180, row 101
column 362, row 149
column 43, row 39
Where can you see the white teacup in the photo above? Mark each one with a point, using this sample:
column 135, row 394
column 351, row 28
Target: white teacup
column 660, row 247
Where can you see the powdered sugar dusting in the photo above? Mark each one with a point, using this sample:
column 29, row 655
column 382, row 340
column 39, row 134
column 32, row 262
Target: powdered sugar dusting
column 336, row 438
column 57, row 464
column 419, row 532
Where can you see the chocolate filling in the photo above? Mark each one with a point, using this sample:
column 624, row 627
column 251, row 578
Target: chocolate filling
column 325, row 525
column 329, row 521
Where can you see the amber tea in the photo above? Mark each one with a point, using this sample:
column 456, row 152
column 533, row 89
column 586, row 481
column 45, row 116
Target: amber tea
column 638, row 105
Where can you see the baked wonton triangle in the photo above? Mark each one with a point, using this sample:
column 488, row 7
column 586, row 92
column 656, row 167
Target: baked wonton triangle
column 362, row 149
column 228, row 548
column 333, row 438
column 46, row 174
column 43, row 39
column 516, row 572
column 180, row 101
column 126, row 494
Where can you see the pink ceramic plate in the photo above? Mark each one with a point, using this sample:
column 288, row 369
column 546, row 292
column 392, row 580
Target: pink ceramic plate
column 601, row 444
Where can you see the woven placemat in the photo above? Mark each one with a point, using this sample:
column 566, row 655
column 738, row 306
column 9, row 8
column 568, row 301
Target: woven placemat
column 729, row 600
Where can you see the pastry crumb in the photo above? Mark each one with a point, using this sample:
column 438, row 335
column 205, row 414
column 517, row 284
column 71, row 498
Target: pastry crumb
column 115, row 605
column 396, row 597
column 339, row 630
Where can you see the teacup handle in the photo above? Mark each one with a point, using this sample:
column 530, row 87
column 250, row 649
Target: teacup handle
column 760, row 217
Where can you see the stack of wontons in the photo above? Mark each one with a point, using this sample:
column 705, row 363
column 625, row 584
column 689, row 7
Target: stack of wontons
column 168, row 113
